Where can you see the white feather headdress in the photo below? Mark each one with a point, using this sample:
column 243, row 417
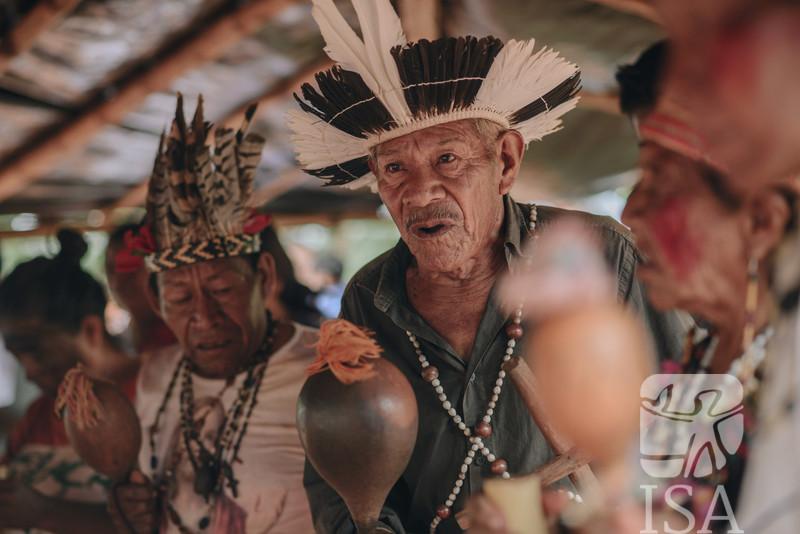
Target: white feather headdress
column 384, row 87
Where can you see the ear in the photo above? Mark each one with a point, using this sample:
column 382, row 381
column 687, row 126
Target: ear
column 269, row 275
column 92, row 332
column 511, row 148
column 769, row 214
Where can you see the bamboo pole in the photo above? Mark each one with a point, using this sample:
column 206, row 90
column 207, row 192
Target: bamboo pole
column 136, row 195
column 43, row 16
column 573, row 463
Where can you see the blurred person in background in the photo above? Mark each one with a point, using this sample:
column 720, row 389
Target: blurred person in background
column 709, row 249
column 8, row 368
column 640, row 83
column 128, row 285
column 737, row 64
column 289, row 300
column 329, row 296
column 51, row 318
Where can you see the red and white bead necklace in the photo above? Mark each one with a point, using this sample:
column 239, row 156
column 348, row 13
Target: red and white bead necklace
column 484, row 428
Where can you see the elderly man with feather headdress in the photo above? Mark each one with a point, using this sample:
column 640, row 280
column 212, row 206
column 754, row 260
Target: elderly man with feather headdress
column 220, row 451
column 439, row 129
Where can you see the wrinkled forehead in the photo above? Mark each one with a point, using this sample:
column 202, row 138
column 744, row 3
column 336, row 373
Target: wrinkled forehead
column 207, row 271
column 464, row 132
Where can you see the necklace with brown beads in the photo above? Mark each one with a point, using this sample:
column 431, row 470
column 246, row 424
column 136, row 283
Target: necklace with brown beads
column 483, row 429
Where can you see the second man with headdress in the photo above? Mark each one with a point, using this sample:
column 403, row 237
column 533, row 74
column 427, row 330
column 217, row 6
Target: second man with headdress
column 220, row 450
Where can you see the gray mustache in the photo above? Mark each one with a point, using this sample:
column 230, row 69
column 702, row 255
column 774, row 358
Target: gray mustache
column 435, row 212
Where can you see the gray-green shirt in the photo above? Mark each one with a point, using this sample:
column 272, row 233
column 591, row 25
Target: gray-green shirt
column 376, row 298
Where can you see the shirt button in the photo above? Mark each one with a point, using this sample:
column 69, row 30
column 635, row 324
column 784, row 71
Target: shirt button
column 480, row 461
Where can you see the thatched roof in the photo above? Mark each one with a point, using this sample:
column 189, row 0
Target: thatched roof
column 86, row 88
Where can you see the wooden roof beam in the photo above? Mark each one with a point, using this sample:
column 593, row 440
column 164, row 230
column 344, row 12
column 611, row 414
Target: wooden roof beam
column 640, row 8
column 199, row 43
column 43, row 16
column 603, row 102
column 277, row 92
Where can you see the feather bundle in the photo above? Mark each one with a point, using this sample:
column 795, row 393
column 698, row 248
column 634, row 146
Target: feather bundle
column 384, row 87
column 370, row 58
column 345, row 350
column 198, row 194
column 76, row 394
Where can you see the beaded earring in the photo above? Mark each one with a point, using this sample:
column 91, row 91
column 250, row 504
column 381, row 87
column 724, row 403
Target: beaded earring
column 750, row 304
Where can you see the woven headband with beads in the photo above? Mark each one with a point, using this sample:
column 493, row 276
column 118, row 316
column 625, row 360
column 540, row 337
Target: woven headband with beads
column 190, row 253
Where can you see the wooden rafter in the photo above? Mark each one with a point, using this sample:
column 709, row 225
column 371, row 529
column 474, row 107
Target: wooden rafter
column 421, row 19
column 279, row 91
column 276, row 93
column 201, row 43
column 44, row 15
column 640, row 8
column 283, row 219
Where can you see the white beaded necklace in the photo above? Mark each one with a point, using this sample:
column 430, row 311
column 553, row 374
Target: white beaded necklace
column 484, row 428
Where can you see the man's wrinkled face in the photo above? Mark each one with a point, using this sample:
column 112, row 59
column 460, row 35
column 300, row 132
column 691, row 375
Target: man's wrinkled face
column 216, row 311
column 442, row 188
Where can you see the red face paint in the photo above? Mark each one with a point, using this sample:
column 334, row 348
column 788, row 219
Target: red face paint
column 669, row 226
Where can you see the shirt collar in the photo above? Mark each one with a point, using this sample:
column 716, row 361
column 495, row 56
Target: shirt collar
column 514, row 227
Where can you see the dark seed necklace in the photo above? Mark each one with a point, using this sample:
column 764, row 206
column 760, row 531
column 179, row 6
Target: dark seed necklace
column 213, row 467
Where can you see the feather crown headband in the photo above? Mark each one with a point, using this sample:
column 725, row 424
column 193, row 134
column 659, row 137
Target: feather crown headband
column 197, row 200
column 383, row 87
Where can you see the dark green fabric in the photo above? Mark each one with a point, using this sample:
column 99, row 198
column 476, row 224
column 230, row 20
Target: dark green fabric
column 376, row 298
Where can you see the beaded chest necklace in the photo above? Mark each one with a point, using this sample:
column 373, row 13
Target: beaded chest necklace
column 483, row 429
column 213, row 467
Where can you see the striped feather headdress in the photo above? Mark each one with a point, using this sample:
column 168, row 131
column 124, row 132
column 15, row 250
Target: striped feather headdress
column 383, row 87
column 197, row 201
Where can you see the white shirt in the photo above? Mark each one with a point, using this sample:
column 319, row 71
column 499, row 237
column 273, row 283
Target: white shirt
column 770, row 498
column 270, row 489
